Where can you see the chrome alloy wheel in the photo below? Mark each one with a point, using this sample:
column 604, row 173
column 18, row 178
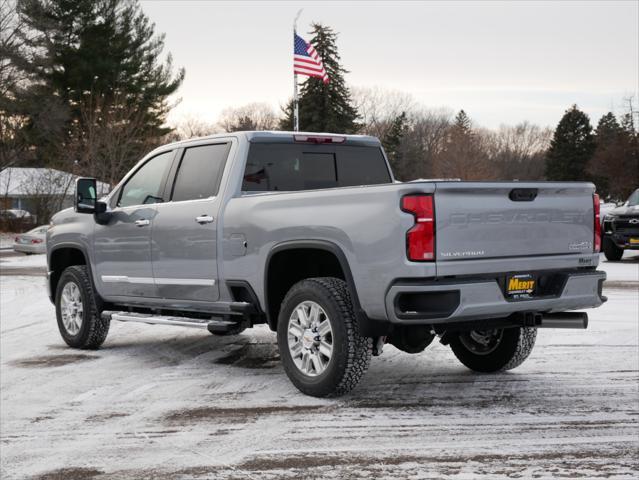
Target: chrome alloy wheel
column 71, row 308
column 481, row 342
column 310, row 338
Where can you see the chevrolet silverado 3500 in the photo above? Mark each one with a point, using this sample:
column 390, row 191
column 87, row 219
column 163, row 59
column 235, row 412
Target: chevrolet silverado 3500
column 310, row 234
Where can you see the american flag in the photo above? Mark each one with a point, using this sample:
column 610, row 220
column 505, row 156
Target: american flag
column 306, row 60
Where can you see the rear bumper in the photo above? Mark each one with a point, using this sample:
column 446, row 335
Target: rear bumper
column 622, row 240
column 30, row 248
column 440, row 302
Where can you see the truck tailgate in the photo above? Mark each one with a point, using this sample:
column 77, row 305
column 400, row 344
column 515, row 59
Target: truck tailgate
column 512, row 219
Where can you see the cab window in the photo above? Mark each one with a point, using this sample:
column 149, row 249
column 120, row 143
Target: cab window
column 147, row 184
column 200, row 172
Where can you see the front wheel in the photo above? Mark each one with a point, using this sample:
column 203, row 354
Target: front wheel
column 494, row 350
column 79, row 319
column 318, row 336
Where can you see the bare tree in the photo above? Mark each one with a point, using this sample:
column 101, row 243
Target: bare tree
column 463, row 155
column 253, row 116
column 11, row 43
column 192, row 127
column 377, row 107
column 424, row 142
column 108, row 139
column 11, row 78
column 517, row 152
column 47, row 189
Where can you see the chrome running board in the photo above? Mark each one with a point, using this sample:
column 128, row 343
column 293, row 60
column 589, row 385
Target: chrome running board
column 169, row 320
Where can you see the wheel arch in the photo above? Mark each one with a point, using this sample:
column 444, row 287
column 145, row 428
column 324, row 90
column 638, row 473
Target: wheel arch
column 64, row 255
column 283, row 253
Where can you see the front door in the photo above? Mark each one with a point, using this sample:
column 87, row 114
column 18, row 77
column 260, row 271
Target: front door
column 184, row 238
column 122, row 246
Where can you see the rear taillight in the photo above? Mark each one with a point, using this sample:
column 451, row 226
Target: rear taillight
column 36, row 240
column 597, row 237
column 420, row 239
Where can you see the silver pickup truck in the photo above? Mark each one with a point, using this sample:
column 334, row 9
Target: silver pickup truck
column 310, row 234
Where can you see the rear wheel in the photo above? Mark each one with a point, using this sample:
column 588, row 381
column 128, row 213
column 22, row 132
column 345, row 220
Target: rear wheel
column 494, row 350
column 79, row 319
column 612, row 252
column 318, row 336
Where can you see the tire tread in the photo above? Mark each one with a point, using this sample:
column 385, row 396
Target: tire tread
column 359, row 348
column 98, row 327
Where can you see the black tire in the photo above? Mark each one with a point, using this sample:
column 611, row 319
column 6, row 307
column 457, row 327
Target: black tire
column 351, row 352
column 612, row 252
column 509, row 351
column 93, row 329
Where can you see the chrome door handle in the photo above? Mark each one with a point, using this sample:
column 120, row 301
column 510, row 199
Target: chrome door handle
column 142, row 223
column 204, row 219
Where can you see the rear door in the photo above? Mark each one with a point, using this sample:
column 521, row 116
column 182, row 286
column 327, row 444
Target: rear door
column 512, row 220
column 184, row 238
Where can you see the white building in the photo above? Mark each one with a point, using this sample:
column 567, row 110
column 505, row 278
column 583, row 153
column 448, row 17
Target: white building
column 26, row 188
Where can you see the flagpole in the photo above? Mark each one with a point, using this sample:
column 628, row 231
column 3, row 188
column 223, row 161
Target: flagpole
column 296, row 110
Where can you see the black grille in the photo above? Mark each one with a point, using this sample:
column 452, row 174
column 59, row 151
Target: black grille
column 626, row 223
column 627, row 231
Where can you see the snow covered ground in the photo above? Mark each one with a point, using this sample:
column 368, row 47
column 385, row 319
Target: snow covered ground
column 6, row 240
column 163, row 402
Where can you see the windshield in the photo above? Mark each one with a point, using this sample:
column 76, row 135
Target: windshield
column 633, row 200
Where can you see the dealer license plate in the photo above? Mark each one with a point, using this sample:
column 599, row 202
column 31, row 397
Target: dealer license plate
column 520, row 285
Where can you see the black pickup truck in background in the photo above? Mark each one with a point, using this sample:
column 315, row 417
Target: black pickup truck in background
column 621, row 228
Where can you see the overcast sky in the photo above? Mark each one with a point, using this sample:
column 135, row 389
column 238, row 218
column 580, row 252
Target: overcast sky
column 502, row 62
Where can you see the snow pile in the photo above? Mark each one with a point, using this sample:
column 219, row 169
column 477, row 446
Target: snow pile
column 21, row 260
column 6, row 240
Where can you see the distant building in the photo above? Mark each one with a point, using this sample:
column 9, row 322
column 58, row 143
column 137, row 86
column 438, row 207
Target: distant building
column 35, row 189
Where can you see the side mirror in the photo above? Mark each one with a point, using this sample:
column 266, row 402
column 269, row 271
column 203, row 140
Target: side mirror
column 85, row 195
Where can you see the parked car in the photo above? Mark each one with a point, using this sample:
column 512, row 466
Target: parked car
column 621, row 228
column 310, row 234
column 34, row 241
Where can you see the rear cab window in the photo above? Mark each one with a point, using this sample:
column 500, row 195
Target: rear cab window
column 295, row 166
column 200, row 172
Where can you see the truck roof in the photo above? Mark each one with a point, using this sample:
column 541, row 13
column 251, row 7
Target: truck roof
column 285, row 137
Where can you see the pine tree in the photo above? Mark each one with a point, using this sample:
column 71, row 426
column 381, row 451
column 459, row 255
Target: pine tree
column 608, row 140
column 571, row 148
column 89, row 57
column 462, row 124
column 324, row 107
column 608, row 129
column 462, row 156
column 392, row 140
